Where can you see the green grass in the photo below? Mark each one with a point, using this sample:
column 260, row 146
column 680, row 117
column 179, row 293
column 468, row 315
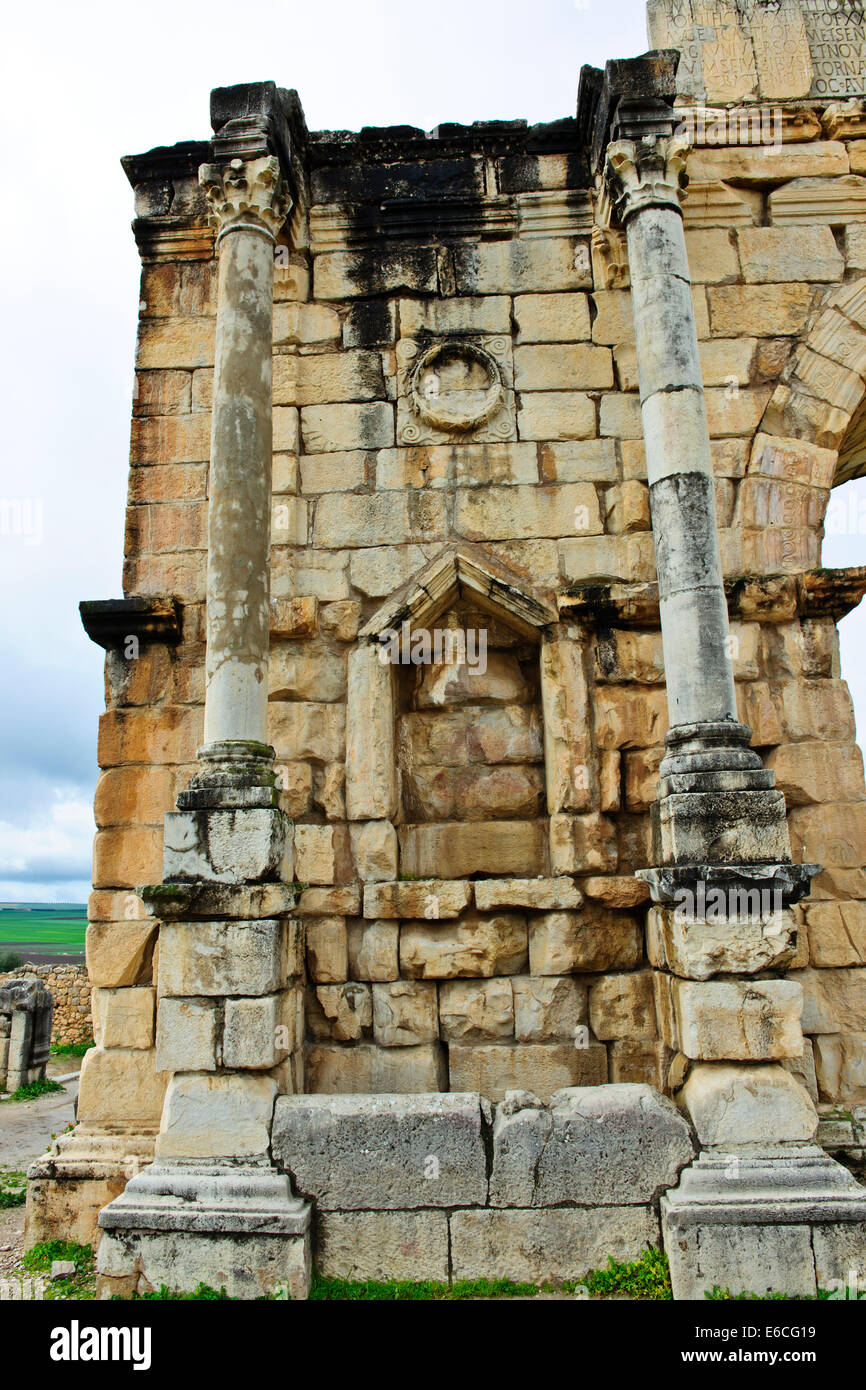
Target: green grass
column 53, row 928
column 13, row 1188
column 71, row 1049
column 647, row 1277
column 34, row 1089
column 403, row 1291
column 80, row 1285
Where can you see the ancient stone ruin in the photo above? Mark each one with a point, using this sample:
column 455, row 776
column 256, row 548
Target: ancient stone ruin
column 482, row 830
column 26, row 1010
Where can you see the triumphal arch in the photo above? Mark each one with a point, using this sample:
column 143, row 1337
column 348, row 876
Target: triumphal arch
column 479, row 877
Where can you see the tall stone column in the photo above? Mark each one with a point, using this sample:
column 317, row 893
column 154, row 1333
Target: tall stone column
column 723, row 878
column 230, row 1014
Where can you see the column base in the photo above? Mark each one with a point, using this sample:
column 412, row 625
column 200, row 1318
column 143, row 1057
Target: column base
column 233, row 774
column 233, row 1226
column 68, row 1186
column 786, row 1219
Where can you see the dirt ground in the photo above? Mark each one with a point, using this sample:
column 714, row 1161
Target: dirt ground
column 26, row 1129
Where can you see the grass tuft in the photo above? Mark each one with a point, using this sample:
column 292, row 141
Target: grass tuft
column 34, row 1089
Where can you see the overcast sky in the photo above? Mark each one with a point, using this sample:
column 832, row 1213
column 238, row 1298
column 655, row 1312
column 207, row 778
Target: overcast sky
column 82, row 85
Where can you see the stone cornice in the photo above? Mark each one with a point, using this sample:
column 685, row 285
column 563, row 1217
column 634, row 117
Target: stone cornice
column 111, row 622
column 246, row 194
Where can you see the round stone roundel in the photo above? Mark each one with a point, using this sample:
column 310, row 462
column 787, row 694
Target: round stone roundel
column 456, row 386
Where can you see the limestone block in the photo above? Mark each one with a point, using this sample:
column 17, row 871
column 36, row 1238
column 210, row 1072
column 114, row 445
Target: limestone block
column 382, row 1245
column 633, row 1060
column 333, row 1069
column 758, row 164
column 337, row 472
column 473, row 1012
column 378, row 570
column 371, row 779
column 817, row 772
column 837, row 933
column 343, row 901
column 494, row 847
column 582, row 844
column 855, row 246
column 548, row 1008
column 434, row 899
column 373, row 950
column 544, row 894
column 758, row 310
column 221, row 958
column 743, row 941
column 552, row 318
column 124, row 1017
column 596, row 1146
column 516, row 267
column 307, row 730
column 286, row 429
column 618, row 893
column 377, row 1152
column 353, row 520
column 495, row 1068
column 712, row 256
column 226, row 846
column 246, row 1265
column 627, row 507
column 457, row 682
column 743, row 1258
column 785, row 253
column 620, row 416
column 350, row 274
column 592, row 939
column 225, row 1116
column 547, row 1246
column 374, row 850
column 301, row 672
column 567, row 749
column 562, row 367
column 840, row 1066
column 405, row 1014
column 323, row 378
column 314, row 854
column 333, row 428
column 831, row 835
column 305, row 323
column 477, row 946
column 834, row 1000
column 490, row 313
column 747, row 1105
column 341, row 620
column 575, row 461
column 623, row 1006
column 120, row 954
column 340, row 1013
column 120, row 1086
column 327, row 950
column 556, row 415
column 251, row 1031
column 187, row 1035
column 517, row 512
column 755, row 1020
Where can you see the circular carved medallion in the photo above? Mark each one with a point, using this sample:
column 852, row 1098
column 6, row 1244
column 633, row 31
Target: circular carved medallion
column 457, row 386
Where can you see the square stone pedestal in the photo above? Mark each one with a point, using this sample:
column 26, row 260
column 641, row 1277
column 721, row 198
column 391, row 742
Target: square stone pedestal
column 786, row 1220
column 237, row 1227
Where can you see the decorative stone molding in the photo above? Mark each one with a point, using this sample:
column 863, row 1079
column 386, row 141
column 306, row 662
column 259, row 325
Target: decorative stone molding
column 111, row 622
column 845, row 120
column 252, row 195
column 433, row 410
column 448, row 411
column 610, row 269
column 646, row 173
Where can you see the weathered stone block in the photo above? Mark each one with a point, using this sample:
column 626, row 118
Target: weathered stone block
column 405, row 1014
column 187, row 1035
column 371, row 779
column 456, row 850
column 747, row 1105
column 226, row 846
column 474, row 947
column 524, row 511
column 546, row 1246
column 331, row 428
column 582, row 844
column 595, row 1146
column 119, row 1086
column 339, row 1070
column 789, row 253
column 394, row 1152
column 226, row 1116
column 623, row 1006
column 544, row 894
column 124, row 1017
column 220, row 958
column 327, row 950
column 496, row 1068
column 472, row 1012
column 726, row 1020
column 556, row 415
column 434, row 899
column 373, row 950
column 552, row 318
column 548, row 1008
column 251, row 1031
column 382, row 1245
column 591, row 939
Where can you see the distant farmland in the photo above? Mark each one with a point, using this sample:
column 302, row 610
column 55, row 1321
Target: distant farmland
column 40, row 932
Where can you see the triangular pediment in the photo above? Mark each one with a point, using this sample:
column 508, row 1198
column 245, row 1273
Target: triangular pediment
column 463, row 573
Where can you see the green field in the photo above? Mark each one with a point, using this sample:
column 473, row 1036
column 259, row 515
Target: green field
column 54, row 928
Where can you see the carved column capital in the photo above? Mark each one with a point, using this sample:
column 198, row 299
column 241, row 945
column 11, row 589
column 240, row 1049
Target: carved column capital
column 646, row 173
column 251, row 193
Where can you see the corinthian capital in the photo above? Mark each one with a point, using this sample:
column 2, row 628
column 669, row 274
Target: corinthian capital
column 249, row 193
column 646, row 173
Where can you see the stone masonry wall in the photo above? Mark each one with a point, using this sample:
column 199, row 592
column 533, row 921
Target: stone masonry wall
column 484, row 245
column 70, row 989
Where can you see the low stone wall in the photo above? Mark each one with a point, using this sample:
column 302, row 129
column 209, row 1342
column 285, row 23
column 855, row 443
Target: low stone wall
column 448, row 1186
column 70, row 989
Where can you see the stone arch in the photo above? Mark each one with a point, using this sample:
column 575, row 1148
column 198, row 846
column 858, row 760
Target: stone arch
column 820, row 399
